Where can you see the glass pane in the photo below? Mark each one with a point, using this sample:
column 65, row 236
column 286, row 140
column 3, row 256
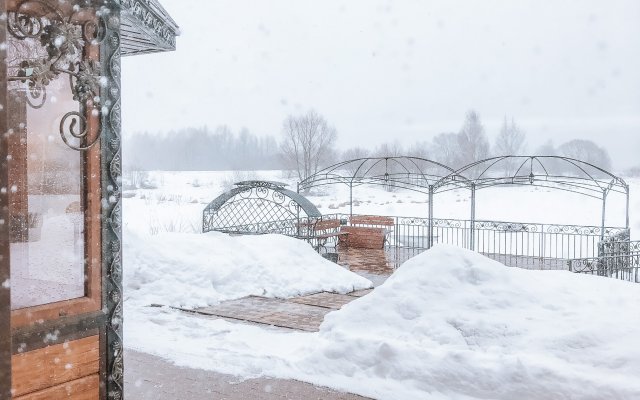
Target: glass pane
column 45, row 191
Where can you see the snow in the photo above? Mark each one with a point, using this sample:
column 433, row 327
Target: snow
column 451, row 323
column 448, row 324
column 195, row 270
column 181, row 197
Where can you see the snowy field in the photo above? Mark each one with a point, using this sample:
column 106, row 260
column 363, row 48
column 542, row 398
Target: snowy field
column 449, row 324
column 177, row 202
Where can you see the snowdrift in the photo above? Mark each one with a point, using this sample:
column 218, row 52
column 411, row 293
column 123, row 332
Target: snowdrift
column 193, row 270
column 452, row 324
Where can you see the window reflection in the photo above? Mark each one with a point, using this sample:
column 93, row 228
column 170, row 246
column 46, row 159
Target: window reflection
column 45, row 194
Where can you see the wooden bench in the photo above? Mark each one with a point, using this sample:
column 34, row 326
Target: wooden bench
column 373, row 221
column 323, row 230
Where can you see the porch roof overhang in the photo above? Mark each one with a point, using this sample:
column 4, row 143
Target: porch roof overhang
column 146, row 27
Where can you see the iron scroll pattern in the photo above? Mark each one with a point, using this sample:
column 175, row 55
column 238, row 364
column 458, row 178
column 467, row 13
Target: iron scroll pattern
column 112, row 207
column 63, row 38
column 254, row 209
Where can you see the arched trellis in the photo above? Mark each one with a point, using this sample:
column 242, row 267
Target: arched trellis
column 428, row 176
column 255, row 207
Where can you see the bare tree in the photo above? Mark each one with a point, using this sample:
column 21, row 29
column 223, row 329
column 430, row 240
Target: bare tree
column 472, row 141
column 308, row 143
column 552, row 166
column 547, row 149
column 420, row 149
column 445, row 148
column 394, row 149
column 633, row 172
column 587, row 151
column 355, row 153
column 510, row 142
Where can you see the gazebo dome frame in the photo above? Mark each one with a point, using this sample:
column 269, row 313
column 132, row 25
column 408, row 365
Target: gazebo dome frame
column 430, row 177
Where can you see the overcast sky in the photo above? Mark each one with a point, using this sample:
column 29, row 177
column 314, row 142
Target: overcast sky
column 401, row 70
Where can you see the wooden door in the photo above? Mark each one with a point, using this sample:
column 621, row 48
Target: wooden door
column 60, row 253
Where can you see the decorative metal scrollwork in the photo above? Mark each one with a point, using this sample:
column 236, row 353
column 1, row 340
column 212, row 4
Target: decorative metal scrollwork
column 258, row 207
column 63, row 38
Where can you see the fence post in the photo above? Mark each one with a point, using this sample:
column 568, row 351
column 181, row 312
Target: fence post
column 604, row 212
column 472, row 228
column 396, row 228
column 298, row 222
column 627, row 212
column 430, row 230
column 542, row 244
column 351, row 200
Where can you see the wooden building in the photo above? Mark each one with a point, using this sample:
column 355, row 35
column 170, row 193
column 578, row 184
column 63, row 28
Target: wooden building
column 61, row 297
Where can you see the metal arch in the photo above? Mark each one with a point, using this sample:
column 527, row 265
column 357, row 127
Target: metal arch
column 256, row 207
column 583, row 180
column 366, row 172
column 585, row 183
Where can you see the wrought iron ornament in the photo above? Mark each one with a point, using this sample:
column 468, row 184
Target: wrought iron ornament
column 63, row 36
column 111, row 167
column 258, row 207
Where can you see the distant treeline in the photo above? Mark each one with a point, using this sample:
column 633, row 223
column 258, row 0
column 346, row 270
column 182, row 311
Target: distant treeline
column 201, row 149
column 308, row 142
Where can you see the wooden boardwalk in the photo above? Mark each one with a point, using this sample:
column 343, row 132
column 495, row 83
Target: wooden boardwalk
column 304, row 313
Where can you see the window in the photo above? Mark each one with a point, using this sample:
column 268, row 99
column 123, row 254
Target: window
column 54, row 167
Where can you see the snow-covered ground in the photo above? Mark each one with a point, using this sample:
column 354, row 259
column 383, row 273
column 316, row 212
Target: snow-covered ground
column 449, row 324
column 177, row 203
column 195, row 270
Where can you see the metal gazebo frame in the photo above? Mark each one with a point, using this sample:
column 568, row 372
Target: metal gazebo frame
column 430, row 177
column 412, row 173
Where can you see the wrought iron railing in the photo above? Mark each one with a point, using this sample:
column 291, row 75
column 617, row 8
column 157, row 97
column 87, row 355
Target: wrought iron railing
column 577, row 248
column 620, row 266
column 527, row 245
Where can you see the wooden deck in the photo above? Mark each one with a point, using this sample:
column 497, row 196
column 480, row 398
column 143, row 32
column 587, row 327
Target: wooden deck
column 304, row 313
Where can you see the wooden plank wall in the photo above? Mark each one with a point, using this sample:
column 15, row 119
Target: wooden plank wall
column 68, row 370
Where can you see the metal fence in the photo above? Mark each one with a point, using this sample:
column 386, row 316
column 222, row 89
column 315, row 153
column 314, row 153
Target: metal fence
column 576, row 248
column 526, row 245
column 618, row 259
